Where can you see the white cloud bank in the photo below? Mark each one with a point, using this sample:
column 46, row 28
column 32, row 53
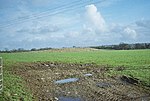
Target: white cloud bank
column 94, row 18
column 63, row 31
column 95, row 22
column 130, row 32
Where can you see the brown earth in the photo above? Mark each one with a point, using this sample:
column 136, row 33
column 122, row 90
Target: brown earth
column 41, row 76
column 80, row 49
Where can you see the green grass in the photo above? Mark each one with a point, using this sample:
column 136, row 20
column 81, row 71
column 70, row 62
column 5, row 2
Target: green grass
column 110, row 57
column 128, row 58
column 14, row 89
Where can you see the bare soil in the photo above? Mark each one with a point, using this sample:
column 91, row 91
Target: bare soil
column 40, row 77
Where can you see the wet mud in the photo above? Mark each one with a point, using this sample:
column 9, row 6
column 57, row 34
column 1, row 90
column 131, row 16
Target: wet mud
column 52, row 81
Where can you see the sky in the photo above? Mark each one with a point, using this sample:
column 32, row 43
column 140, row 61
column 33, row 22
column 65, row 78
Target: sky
column 65, row 23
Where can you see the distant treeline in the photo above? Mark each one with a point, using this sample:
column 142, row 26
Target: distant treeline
column 22, row 50
column 121, row 46
column 124, row 46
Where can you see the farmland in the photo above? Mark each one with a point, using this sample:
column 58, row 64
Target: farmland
column 104, row 57
column 18, row 66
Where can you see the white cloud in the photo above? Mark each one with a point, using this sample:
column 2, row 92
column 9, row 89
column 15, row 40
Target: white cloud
column 94, row 18
column 131, row 33
column 68, row 30
column 97, row 26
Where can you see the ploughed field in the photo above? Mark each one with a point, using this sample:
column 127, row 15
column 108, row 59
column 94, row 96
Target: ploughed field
column 52, row 81
column 77, row 74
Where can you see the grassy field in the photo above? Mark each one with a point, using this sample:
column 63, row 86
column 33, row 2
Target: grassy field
column 105, row 57
column 134, row 60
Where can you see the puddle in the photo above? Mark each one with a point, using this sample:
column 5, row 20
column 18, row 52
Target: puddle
column 66, row 80
column 103, row 84
column 128, row 80
column 88, row 74
column 69, row 99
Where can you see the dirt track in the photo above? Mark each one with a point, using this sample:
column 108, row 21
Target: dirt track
column 41, row 76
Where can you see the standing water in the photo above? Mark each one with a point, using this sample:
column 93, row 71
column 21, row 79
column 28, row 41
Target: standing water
column 66, row 80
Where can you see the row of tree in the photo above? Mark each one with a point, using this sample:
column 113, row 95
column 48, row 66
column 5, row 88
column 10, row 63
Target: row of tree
column 124, row 46
column 22, row 50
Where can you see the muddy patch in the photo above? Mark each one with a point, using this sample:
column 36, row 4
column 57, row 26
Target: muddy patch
column 52, row 81
column 129, row 80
